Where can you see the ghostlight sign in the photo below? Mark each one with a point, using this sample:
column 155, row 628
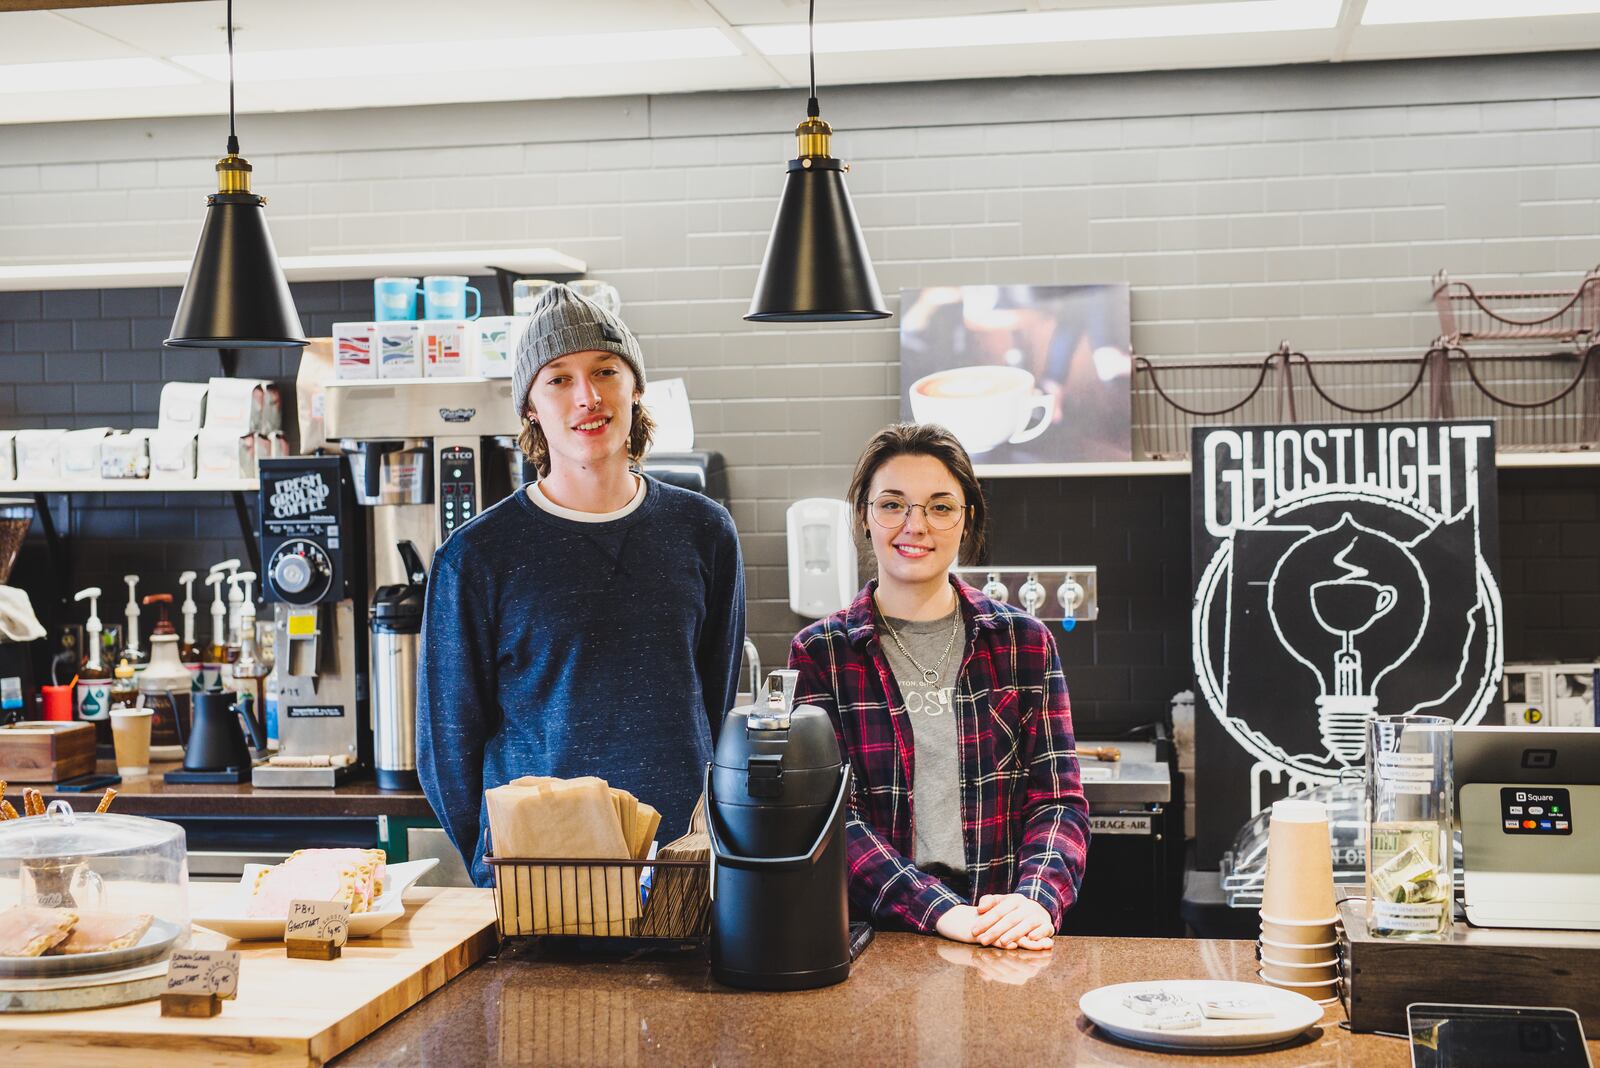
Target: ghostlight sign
column 1340, row 572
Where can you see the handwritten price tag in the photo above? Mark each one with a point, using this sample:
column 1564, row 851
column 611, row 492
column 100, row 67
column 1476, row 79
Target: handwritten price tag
column 318, row 920
column 204, row 971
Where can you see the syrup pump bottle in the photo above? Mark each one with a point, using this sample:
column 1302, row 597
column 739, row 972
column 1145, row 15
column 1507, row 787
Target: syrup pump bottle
column 164, row 686
column 93, row 696
column 188, row 652
column 248, row 671
column 124, row 688
column 216, row 654
column 130, row 640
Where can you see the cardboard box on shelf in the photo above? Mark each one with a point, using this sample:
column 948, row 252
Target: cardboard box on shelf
column 355, row 348
column 1550, row 695
column 497, row 340
column 397, row 345
column 446, row 346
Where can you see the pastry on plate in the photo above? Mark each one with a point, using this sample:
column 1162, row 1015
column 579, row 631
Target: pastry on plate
column 28, row 932
column 353, row 876
column 97, row 932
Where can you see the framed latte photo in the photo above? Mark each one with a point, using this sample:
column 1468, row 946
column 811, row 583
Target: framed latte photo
column 1020, row 374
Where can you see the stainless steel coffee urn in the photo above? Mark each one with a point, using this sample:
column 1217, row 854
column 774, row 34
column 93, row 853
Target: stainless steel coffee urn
column 396, row 633
column 776, row 794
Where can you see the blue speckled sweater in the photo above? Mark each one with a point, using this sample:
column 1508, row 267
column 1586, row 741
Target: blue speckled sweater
column 555, row 647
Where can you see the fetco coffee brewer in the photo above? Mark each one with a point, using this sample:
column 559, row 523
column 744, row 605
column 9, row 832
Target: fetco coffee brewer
column 776, row 797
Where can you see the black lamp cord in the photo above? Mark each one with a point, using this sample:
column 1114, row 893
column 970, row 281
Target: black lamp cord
column 812, row 111
column 233, row 138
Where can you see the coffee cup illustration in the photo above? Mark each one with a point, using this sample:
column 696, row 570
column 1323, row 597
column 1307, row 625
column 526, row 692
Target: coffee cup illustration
column 983, row 405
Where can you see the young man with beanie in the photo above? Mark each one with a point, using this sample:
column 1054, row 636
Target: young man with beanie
column 590, row 623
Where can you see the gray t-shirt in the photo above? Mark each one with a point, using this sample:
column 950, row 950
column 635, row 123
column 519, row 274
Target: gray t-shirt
column 936, row 770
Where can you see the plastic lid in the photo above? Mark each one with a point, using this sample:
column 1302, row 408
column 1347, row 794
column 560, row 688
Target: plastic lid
column 397, row 609
column 124, row 670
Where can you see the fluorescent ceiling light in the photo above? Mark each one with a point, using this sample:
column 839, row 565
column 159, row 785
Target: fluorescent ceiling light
column 1390, row 12
column 432, row 57
column 90, row 74
column 1050, row 27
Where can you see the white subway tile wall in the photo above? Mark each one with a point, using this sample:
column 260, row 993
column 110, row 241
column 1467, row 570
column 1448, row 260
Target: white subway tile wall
column 1239, row 221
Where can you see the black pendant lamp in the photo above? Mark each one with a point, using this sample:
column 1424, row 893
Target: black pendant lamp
column 816, row 269
column 236, row 296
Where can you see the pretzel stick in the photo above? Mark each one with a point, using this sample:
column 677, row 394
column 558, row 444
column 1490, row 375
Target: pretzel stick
column 7, row 812
column 31, row 805
column 105, row 801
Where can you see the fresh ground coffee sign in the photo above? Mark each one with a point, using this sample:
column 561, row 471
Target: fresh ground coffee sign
column 1340, row 572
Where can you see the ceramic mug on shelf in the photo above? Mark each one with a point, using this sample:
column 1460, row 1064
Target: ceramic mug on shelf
column 444, row 296
column 983, row 405
column 394, row 299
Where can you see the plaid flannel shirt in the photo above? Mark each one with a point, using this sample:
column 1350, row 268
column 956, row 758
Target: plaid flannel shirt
column 1024, row 817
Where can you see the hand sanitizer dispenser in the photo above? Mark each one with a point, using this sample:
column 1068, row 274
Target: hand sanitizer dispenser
column 822, row 557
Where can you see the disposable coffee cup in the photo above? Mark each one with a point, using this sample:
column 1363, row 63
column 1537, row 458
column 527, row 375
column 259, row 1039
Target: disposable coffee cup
column 130, row 738
column 1299, row 882
column 1316, row 933
column 1314, row 989
column 1299, row 973
column 1290, row 953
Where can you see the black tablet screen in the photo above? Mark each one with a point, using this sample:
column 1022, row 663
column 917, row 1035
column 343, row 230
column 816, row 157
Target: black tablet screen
column 1485, row 1036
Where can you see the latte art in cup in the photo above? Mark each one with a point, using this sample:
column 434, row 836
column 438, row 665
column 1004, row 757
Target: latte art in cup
column 983, row 405
column 956, row 384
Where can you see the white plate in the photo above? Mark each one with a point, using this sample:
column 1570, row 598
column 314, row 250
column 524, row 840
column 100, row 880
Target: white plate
column 231, row 919
column 1292, row 1014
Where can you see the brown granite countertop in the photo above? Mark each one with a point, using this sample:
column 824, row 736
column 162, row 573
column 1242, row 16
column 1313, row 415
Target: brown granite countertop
column 150, row 795
column 910, row 1000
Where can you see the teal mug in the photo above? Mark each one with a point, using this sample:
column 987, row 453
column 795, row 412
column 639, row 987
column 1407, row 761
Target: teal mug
column 444, row 296
column 394, row 299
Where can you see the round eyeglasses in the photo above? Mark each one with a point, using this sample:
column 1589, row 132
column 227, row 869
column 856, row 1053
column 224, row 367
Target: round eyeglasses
column 890, row 511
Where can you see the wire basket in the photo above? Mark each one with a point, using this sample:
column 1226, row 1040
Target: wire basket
column 622, row 904
column 1540, row 401
column 1569, row 315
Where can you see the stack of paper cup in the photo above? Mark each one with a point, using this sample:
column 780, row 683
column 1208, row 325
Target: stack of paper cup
column 1298, row 947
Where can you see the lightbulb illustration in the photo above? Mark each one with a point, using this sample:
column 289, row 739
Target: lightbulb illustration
column 1336, row 637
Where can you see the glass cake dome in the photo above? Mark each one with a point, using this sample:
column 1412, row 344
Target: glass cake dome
column 97, row 892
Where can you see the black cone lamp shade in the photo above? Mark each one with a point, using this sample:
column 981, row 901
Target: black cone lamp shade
column 236, row 296
column 816, row 268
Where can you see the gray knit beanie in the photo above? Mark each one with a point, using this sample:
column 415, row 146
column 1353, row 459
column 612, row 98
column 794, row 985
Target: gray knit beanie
column 565, row 322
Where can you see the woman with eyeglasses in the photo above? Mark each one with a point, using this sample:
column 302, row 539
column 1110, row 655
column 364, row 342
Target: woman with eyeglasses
column 966, row 817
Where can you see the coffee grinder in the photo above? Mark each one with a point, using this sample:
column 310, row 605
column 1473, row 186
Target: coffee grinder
column 313, row 548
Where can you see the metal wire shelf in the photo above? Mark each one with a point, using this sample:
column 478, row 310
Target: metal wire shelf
column 1546, row 401
column 621, row 905
column 1569, row 315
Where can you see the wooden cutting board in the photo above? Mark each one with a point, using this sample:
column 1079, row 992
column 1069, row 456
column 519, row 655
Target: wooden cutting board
column 288, row 1012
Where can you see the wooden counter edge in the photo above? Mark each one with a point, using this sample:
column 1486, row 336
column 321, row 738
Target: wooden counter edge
column 404, row 995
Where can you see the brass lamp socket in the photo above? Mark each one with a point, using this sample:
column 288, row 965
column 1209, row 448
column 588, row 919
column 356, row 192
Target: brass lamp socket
column 233, row 174
column 813, row 138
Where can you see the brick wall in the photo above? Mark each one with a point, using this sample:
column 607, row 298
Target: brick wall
column 1244, row 206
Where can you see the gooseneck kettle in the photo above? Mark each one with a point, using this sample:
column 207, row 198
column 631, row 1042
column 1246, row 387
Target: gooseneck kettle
column 777, row 795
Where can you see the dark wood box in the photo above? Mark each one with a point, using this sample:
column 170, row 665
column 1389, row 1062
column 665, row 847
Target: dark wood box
column 46, row 751
column 1475, row 966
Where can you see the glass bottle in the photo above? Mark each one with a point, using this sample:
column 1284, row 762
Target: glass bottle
column 124, row 687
